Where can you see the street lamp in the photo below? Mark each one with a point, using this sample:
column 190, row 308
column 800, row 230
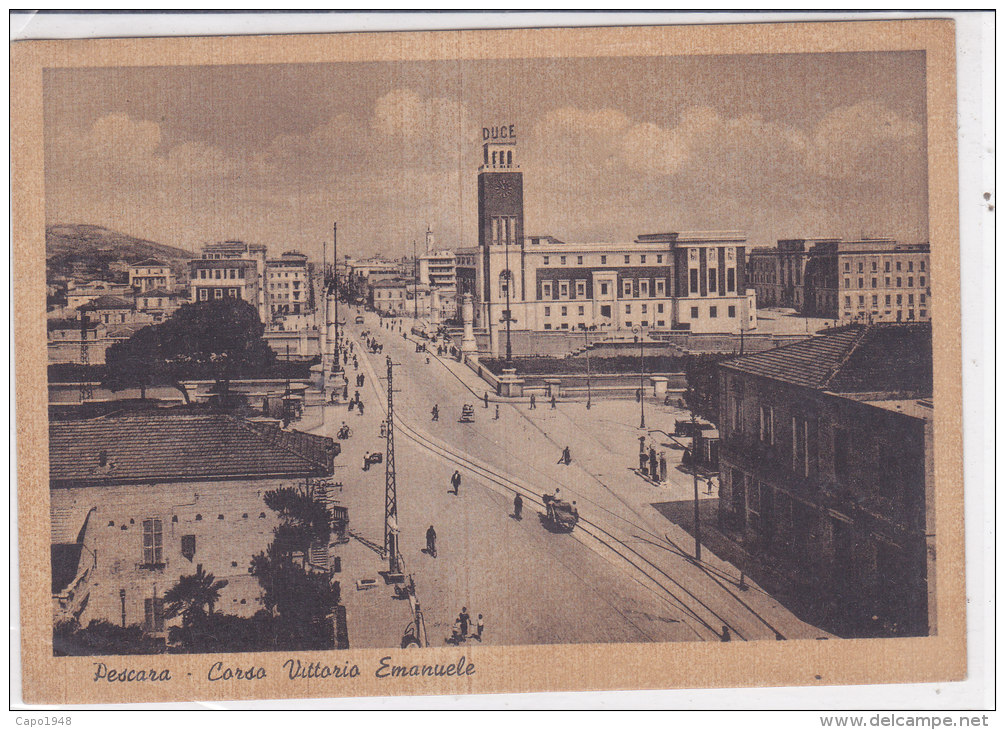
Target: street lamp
column 509, row 315
column 691, row 397
column 642, row 376
column 589, row 392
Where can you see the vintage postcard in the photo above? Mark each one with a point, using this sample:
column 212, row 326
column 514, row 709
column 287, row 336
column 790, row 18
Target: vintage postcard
column 488, row 361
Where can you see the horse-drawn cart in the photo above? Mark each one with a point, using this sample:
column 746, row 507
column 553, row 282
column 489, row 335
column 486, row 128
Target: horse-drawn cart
column 561, row 514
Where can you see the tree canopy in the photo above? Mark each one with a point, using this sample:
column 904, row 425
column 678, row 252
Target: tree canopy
column 219, row 339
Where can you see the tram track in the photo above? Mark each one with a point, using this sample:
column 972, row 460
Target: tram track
column 697, row 613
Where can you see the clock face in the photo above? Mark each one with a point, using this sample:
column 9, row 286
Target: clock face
column 506, row 188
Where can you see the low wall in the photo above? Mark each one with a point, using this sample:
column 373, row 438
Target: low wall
column 198, row 390
column 614, row 385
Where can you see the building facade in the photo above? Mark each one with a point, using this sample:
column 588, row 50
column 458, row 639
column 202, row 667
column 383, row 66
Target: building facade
column 132, row 511
column 672, row 281
column 245, row 271
column 151, row 274
column 868, row 280
column 158, row 303
column 288, row 284
column 826, row 471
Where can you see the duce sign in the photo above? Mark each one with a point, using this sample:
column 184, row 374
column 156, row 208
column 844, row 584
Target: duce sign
column 506, row 131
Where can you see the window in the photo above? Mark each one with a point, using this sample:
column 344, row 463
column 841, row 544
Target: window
column 626, row 288
column 694, row 312
column 898, row 266
column 565, row 311
column 921, row 265
column 603, row 288
column 910, row 266
column 153, row 614
column 886, row 266
column 152, row 542
column 561, row 260
column 580, row 289
column 921, row 281
column 642, row 258
column 874, row 282
column 605, row 310
column 659, row 258
column 861, row 282
column 711, row 280
column 847, row 283
column 873, row 265
column 860, row 267
column 921, row 298
column 767, row 424
column 603, row 259
column 861, row 300
column 546, row 290
column 900, row 299
column 888, row 300
column 645, row 309
column 661, row 287
column 582, row 310
column 643, row 287
column 847, row 266
column 628, row 259
column 546, row 260
column 887, row 281
column 579, row 260
column 203, row 295
column 910, row 299
column 563, row 289
column 188, row 546
column 899, row 282
column 547, row 311
column 730, row 279
column 713, row 312
column 662, row 322
column 731, row 311
column 875, row 300
column 659, row 308
column 218, row 293
column 694, row 281
column 847, row 301
column 547, row 325
column 628, row 309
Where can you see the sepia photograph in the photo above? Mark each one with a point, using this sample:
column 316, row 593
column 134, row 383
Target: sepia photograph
column 413, row 351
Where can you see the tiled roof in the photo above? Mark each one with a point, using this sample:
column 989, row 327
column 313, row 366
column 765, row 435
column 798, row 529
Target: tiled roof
column 105, row 302
column 163, row 447
column 855, row 359
column 158, row 293
column 149, row 262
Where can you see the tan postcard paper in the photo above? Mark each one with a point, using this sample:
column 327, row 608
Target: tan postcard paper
column 487, row 361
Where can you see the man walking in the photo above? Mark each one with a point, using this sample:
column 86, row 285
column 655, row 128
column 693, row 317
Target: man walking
column 431, row 541
column 465, row 620
column 455, row 482
column 486, row 399
column 479, row 628
column 533, row 402
column 552, row 402
column 518, row 507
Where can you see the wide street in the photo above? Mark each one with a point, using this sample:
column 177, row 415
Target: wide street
column 625, row 574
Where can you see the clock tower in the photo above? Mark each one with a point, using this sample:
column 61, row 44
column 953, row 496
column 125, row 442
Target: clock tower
column 500, row 195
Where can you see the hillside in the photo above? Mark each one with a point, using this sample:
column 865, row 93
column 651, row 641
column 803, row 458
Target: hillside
column 91, row 252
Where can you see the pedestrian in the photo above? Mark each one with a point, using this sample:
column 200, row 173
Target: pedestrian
column 566, row 457
column 552, row 402
column 497, row 411
column 486, row 399
column 431, row 541
column 725, row 633
column 465, row 620
column 533, row 402
column 436, row 412
column 360, row 406
column 518, row 507
column 708, row 486
column 366, row 461
column 455, row 481
column 479, row 628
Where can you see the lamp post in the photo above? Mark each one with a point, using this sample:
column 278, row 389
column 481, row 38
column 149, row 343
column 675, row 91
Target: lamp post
column 691, row 397
column 509, row 315
column 642, row 376
column 589, row 391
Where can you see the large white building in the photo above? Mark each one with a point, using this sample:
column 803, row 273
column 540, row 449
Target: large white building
column 691, row 281
column 230, row 269
column 288, row 284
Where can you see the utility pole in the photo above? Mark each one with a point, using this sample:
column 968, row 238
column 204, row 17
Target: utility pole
column 390, row 483
column 335, row 283
column 415, row 281
column 589, row 391
column 642, row 376
column 694, row 472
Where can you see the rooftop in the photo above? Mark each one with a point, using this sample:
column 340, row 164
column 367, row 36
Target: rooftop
column 105, row 302
column 162, row 447
column 887, row 358
column 149, row 262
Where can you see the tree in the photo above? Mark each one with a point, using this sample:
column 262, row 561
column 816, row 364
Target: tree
column 193, row 597
column 220, row 339
column 702, row 373
column 300, row 601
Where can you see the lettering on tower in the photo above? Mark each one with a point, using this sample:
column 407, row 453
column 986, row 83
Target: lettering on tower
column 504, row 131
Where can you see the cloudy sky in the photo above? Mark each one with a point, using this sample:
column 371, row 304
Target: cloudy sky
column 777, row 146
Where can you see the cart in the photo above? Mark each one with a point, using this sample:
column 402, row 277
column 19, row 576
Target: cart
column 562, row 515
column 467, row 413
